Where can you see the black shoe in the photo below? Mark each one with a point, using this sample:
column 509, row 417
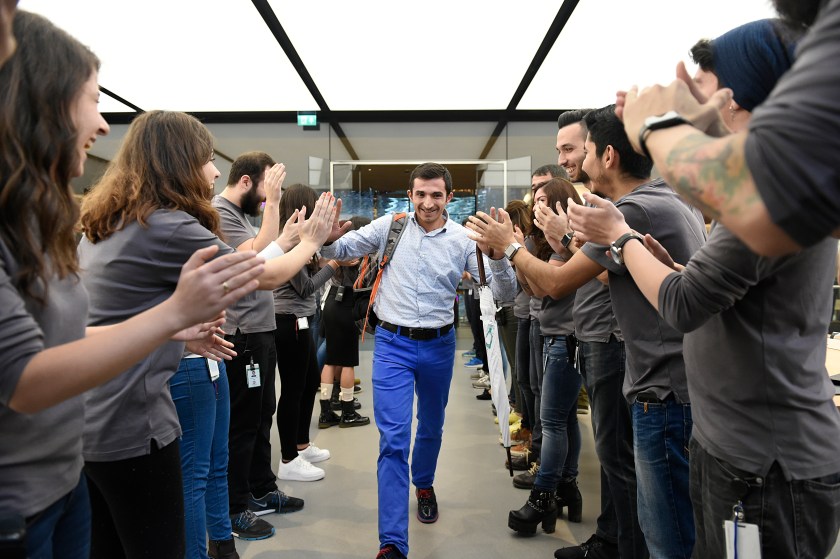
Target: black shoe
column 539, row 508
column 427, row 508
column 390, row 551
column 274, row 501
column 521, row 462
column 525, row 480
column 336, row 404
column 327, row 418
column 594, row 548
column 247, row 526
column 350, row 417
column 222, row 549
column 484, row 395
column 357, row 389
column 568, row 495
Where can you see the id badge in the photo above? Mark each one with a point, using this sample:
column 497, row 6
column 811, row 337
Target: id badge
column 214, row 370
column 302, row 323
column 253, row 373
column 745, row 536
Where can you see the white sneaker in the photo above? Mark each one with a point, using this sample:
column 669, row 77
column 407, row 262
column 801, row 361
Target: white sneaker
column 313, row 454
column 299, row 470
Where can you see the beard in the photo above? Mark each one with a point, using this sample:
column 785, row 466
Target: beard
column 799, row 12
column 251, row 203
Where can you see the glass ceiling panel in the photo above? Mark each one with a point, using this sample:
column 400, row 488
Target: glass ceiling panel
column 191, row 55
column 431, row 55
column 609, row 45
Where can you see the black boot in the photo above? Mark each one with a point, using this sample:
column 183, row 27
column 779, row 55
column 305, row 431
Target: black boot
column 568, row 495
column 540, row 507
column 222, row 549
column 328, row 418
column 351, row 418
column 334, row 401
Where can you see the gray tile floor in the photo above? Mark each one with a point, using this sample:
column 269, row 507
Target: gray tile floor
column 474, row 491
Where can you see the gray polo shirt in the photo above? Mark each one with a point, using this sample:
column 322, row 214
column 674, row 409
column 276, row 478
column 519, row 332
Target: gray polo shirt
column 297, row 296
column 755, row 355
column 253, row 312
column 132, row 271
column 593, row 313
column 654, row 349
column 40, row 453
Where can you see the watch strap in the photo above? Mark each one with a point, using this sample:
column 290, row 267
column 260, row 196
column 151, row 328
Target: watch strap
column 667, row 120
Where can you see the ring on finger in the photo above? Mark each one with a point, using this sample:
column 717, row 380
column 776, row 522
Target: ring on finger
column 226, row 287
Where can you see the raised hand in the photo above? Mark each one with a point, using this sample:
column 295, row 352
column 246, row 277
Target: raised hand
column 489, row 233
column 601, row 223
column 290, row 235
column 554, row 225
column 339, row 228
column 317, row 228
column 206, row 288
column 273, row 184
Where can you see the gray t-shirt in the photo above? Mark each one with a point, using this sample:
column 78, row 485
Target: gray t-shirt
column 40, row 453
column 253, row 312
column 298, row 295
column 593, row 313
column 654, row 349
column 535, row 304
column 130, row 272
column 522, row 304
column 556, row 314
column 755, row 355
column 793, row 143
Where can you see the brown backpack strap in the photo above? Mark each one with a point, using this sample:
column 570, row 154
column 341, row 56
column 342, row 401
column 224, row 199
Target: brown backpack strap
column 394, row 234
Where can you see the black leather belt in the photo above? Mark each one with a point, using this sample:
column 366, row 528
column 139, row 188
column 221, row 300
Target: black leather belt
column 651, row 398
column 416, row 333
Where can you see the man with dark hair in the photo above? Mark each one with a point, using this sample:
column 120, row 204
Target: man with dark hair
column 415, row 342
column 654, row 384
column 601, row 363
column 775, row 185
column 254, row 178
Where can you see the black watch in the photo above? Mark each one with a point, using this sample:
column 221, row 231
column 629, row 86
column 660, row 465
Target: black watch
column 668, row 120
column 567, row 239
column 617, row 247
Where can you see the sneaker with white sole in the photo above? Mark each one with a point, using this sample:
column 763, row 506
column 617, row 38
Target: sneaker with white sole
column 483, row 382
column 313, row 454
column 299, row 470
column 474, row 363
column 246, row 526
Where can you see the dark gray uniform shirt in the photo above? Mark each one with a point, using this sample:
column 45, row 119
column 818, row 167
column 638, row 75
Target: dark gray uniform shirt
column 593, row 313
column 40, row 453
column 132, row 271
column 755, row 355
column 654, row 349
column 253, row 312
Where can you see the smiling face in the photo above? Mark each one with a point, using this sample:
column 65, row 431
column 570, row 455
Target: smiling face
column 211, row 173
column 89, row 123
column 429, row 198
column 570, row 151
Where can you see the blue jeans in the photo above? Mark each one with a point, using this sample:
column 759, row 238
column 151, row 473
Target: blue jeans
column 401, row 367
column 204, row 413
column 602, row 366
column 535, row 374
column 62, row 530
column 795, row 518
column 661, row 432
column 560, row 429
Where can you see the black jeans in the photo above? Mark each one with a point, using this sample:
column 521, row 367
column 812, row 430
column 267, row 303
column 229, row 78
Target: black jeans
column 797, row 518
column 299, row 378
column 251, row 412
column 523, row 366
column 137, row 506
column 602, row 368
column 473, row 310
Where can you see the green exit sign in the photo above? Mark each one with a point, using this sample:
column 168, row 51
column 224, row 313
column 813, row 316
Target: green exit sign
column 304, row 119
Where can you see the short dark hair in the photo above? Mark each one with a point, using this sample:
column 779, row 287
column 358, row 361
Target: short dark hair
column 554, row 171
column 430, row 171
column 702, row 55
column 252, row 163
column 605, row 129
column 572, row 117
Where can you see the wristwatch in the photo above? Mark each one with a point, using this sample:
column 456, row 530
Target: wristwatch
column 567, row 239
column 668, row 120
column 511, row 250
column 617, row 246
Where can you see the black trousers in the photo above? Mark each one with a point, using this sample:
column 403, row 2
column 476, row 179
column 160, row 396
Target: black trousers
column 137, row 506
column 251, row 413
column 473, row 310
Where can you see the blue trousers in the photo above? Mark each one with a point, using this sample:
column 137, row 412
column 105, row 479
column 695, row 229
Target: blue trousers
column 661, row 432
column 204, row 413
column 62, row 530
column 401, row 367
